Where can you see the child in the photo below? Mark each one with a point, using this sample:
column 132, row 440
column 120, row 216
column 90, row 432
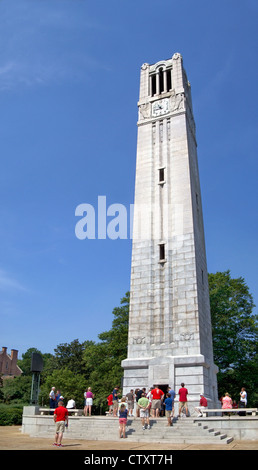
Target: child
column 169, row 405
column 122, row 420
column 122, row 402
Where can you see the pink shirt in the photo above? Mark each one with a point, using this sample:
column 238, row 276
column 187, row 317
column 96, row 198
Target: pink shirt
column 226, row 403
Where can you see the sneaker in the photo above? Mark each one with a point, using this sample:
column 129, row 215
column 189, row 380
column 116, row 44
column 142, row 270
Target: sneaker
column 143, row 428
column 148, row 427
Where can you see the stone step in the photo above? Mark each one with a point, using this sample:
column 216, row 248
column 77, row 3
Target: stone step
column 102, row 428
column 146, row 436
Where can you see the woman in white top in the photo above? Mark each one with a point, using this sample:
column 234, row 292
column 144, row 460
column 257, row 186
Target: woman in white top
column 243, row 396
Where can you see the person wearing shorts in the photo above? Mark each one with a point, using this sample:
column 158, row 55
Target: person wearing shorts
column 115, row 401
column 157, row 397
column 143, row 404
column 169, row 406
column 61, row 420
column 88, row 401
column 130, row 402
column 123, row 412
column 183, row 392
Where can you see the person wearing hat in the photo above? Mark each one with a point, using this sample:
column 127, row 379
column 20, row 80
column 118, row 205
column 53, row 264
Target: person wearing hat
column 202, row 406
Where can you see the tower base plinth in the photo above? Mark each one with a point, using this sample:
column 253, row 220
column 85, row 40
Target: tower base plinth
column 194, row 371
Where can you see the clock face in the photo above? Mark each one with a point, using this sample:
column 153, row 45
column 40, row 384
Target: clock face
column 160, row 107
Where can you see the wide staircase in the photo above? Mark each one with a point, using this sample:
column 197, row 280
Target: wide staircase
column 184, row 430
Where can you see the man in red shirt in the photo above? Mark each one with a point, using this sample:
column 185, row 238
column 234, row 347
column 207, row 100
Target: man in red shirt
column 183, row 392
column 157, row 396
column 61, row 420
column 203, row 405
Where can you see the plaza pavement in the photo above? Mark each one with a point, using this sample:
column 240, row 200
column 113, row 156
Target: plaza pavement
column 11, row 438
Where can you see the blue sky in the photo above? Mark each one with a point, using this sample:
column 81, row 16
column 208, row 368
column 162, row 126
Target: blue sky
column 69, row 85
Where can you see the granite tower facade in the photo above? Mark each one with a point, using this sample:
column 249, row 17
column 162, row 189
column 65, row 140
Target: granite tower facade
column 170, row 335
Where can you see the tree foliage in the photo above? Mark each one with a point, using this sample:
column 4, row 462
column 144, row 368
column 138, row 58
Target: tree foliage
column 234, row 334
column 70, row 383
column 16, row 390
column 75, row 366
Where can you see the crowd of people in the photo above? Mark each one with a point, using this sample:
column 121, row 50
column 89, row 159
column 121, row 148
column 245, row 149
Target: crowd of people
column 143, row 404
column 159, row 403
column 54, row 398
column 138, row 403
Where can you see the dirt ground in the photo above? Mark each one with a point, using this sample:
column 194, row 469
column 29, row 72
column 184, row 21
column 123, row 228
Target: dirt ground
column 11, row 438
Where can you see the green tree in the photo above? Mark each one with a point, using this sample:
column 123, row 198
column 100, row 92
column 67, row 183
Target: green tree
column 69, row 382
column 16, row 390
column 234, row 334
column 70, row 355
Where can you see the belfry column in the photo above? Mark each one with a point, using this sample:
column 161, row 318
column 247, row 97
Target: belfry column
column 169, row 338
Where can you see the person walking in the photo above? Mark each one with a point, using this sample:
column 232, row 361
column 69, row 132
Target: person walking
column 61, row 420
column 183, row 392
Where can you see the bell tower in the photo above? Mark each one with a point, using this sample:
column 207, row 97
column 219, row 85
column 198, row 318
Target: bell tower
column 170, row 338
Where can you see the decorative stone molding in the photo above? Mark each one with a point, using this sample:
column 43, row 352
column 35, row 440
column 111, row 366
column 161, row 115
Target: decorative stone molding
column 144, row 110
column 139, row 340
column 187, row 336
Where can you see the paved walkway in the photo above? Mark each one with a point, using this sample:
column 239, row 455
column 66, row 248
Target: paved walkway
column 11, row 438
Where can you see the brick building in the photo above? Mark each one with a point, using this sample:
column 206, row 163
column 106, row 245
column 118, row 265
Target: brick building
column 8, row 363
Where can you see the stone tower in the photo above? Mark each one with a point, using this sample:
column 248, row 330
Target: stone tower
column 170, row 338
